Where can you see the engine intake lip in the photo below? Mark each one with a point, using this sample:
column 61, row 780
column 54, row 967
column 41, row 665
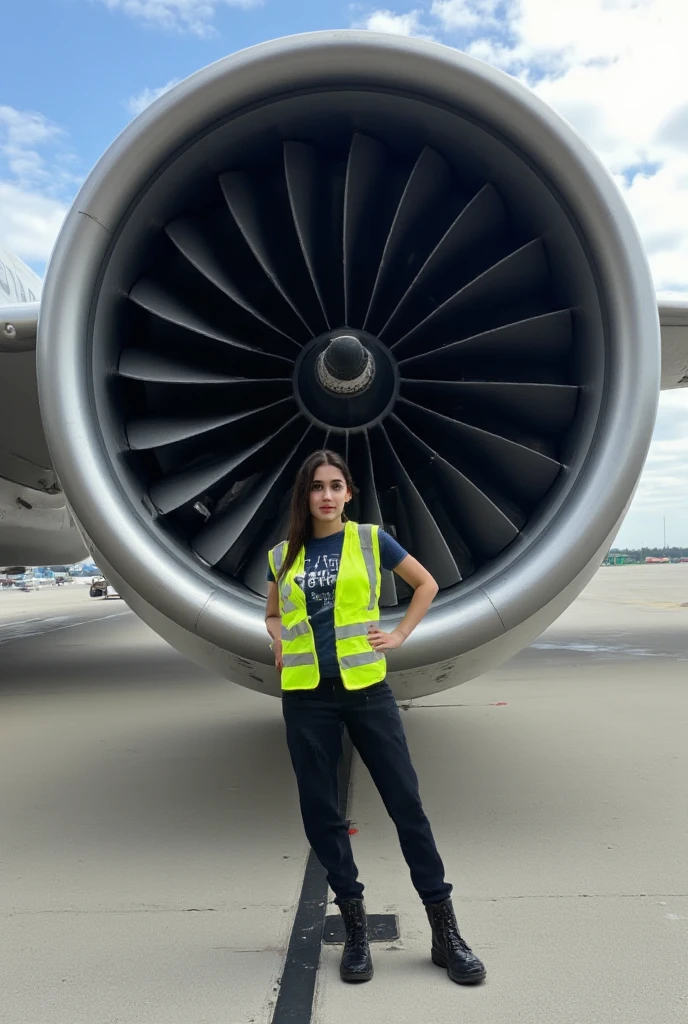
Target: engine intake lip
column 86, row 447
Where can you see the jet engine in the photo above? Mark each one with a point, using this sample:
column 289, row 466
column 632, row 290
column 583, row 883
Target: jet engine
column 368, row 243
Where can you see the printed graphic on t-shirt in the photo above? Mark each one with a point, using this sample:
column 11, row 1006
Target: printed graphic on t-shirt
column 318, row 581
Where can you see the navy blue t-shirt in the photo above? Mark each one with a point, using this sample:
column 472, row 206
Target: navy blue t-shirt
column 319, row 579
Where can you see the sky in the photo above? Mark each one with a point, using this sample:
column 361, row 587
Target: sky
column 76, row 71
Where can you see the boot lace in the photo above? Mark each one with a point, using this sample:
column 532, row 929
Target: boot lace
column 450, row 929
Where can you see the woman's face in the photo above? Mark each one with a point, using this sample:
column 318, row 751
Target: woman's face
column 329, row 494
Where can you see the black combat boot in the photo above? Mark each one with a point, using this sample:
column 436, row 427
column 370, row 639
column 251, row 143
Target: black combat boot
column 357, row 963
column 449, row 949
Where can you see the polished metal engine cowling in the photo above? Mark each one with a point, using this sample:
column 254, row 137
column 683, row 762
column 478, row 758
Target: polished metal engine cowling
column 335, row 196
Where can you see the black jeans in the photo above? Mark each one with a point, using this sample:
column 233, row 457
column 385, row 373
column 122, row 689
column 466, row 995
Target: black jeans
column 314, row 730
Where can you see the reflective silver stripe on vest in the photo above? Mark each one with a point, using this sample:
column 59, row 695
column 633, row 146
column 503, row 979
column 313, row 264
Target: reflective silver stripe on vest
column 278, row 554
column 297, row 660
column 356, row 629
column 300, row 629
column 285, row 593
column 356, row 660
column 365, row 534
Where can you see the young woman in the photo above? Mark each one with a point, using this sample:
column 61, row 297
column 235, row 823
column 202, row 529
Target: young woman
column 323, row 617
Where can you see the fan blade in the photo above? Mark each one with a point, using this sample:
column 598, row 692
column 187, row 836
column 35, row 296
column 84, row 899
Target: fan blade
column 486, row 528
column 245, row 206
column 371, row 513
column 421, row 536
column 513, row 275
column 153, row 299
column 364, row 169
column 224, row 533
column 536, row 338
column 430, row 174
column 175, row 491
column 304, row 184
column 479, row 220
column 527, row 471
column 542, row 405
column 156, row 368
column 194, row 247
column 154, row 433
column 254, row 576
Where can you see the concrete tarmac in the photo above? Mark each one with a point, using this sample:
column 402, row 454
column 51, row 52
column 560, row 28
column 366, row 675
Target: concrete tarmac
column 152, row 851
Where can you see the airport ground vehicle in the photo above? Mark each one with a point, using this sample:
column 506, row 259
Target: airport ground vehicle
column 101, row 588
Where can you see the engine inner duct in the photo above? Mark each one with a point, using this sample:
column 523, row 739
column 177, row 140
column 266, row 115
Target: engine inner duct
column 476, row 345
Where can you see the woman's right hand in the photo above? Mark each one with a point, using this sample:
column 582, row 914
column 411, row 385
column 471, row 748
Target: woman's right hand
column 277, row 651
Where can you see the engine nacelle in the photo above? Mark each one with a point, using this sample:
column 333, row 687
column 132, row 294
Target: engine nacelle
column 368, row 186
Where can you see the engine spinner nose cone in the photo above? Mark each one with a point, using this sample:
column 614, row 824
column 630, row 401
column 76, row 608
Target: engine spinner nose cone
column 346, row 380
column 346, row 367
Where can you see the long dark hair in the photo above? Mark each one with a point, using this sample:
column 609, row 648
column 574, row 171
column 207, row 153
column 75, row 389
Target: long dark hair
column 300, row 526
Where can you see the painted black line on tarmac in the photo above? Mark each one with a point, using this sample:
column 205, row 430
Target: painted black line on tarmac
column 20, row 635
column 295, row 1000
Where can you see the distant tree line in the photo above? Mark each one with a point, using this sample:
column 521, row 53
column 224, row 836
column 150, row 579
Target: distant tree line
column 640, row 554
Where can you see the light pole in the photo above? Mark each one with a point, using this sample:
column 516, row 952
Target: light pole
column 664, row 521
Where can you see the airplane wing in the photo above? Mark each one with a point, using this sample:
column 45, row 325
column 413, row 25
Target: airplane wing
column 36, row 527
column 673, row 318
column 18, row 326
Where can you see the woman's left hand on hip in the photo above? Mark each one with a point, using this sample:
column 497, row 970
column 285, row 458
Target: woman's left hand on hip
column 381, row 641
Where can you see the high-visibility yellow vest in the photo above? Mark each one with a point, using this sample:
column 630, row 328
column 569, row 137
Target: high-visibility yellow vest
column 356, row 597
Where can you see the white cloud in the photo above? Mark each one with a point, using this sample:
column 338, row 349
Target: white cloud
column 408, row 24
column 37, row 180
column 659, row 204
column 194, row 16
column 22, row 132
column 139, row 102
column 466, row 14
column 29, row 222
